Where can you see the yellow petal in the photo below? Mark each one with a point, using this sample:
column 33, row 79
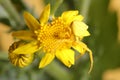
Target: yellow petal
column 68, row 16
column 66, row 56
column 46, row 60
column 78, row 18
column 27, row 48
column 31, row 22
column 24, row 35
column 80, row 29
column 45, row 15
column 81, row 47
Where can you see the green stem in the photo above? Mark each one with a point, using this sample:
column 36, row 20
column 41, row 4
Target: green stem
column 85, row 8
column 58, row 71
column 54, row 6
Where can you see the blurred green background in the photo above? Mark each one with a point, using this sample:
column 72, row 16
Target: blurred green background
column 104, row 39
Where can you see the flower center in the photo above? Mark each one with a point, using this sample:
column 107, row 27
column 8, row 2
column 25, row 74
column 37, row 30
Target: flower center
column 55, row 35
column 61, row 30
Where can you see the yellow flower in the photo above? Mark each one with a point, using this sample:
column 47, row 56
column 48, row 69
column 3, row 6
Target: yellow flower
column 20, row 60
column 55, row 38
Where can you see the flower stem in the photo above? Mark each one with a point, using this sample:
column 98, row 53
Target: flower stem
column 54, row 7
column 85, row 8
column 58, row 71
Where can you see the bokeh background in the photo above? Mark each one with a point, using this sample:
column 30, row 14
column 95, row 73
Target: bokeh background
column 103, row 19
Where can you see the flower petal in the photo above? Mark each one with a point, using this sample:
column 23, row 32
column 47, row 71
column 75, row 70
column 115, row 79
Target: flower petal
column 78, row 18
column 45, row 15
column 24, row 35
column 66, row 56
column 80, row 29
column 81, row 47
column 46, row 60
column 68, row 16
column 31, row 22
column 27, row 48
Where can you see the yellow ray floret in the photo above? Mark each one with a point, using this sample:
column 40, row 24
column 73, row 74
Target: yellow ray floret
column 28, row 48
column 80, row 29
column 45, row 15
column 46, row 60
column 31, row 22
column 26, row 35
column 66, row 56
